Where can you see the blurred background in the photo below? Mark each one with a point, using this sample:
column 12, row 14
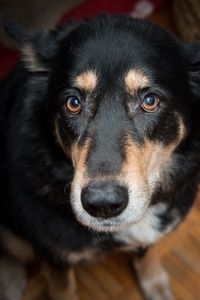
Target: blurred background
column 180, row 16
column 113, row 278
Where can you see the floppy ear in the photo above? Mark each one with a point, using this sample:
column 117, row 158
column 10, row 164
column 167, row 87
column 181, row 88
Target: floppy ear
column 40, row 48
column 193, row 54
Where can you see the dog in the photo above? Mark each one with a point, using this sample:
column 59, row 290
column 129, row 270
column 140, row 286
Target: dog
column 100, row 146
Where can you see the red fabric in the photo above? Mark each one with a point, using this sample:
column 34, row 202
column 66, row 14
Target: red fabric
column 93, row 7
column 140, row 8
column 8, row 59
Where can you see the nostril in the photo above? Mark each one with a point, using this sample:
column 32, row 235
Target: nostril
column 104, row 199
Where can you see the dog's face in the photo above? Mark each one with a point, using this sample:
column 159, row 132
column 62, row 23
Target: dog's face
column 119, row 96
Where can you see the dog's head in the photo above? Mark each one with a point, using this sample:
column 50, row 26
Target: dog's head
column 120, row 94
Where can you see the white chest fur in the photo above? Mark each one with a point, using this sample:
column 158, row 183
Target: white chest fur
column 146, row 231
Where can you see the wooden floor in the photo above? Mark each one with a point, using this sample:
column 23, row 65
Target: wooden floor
column 113, row 278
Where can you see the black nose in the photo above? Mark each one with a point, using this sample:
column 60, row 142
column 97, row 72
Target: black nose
column 104, row 199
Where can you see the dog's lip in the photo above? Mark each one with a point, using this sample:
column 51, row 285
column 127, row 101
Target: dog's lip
column 106, row 226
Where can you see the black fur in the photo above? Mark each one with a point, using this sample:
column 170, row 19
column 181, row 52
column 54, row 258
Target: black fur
column 35, row 173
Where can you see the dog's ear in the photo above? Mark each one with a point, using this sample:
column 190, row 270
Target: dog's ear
column 193, row 56
column 40, row 48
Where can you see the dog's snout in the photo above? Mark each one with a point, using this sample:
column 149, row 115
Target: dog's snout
column 104, row 199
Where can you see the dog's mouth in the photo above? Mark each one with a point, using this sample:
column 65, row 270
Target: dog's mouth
column 116, row 224
column 111, row 225
column 109, row 208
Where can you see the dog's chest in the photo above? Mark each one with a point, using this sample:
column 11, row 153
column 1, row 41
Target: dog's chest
column 146, row 232
column 149, row 229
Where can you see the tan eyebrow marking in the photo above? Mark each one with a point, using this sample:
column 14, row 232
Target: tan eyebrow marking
column 87, row 81
column 135, row 79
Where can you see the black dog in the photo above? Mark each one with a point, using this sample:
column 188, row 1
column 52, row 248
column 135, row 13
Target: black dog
column 99, row 133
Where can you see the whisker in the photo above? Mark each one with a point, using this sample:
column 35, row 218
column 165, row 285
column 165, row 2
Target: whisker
column 66, row 186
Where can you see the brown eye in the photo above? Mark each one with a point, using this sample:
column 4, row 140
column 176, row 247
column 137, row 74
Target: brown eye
column 73, row 105
column 151, row 103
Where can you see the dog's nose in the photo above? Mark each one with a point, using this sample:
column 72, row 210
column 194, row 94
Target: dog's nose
column 104, row 199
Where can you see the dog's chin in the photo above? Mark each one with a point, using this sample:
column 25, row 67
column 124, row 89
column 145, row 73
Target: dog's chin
column 109, row 225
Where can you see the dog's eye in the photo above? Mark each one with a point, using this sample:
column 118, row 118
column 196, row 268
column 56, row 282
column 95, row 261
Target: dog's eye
column 73, row 105
column 151, row 103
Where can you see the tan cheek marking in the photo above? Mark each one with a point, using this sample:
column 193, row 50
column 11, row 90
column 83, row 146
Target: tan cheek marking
column 144, row 164
column 79, row 157
column 66, row 150
column 87, row 81
column 132, row 169
column 79, row 154
column 134, row 80
column 31, row 60
column 58, row 137
column 154, row 155
column 157, row 155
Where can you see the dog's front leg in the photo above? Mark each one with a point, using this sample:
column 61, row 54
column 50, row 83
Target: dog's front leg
column 152, row 277
column 61, row 284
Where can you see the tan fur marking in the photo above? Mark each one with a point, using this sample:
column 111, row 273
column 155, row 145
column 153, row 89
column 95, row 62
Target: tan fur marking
column 61, row 284
column 58, row 137
column 79, row 156
column 133, row 162
column 87, row 81
column 16, row 246
column 145, row 164
column 134, row 80
column 84, row 255
column 31, row 60
column 66, row 149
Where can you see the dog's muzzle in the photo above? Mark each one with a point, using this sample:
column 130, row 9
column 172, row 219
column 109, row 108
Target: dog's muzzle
column 104, row 199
